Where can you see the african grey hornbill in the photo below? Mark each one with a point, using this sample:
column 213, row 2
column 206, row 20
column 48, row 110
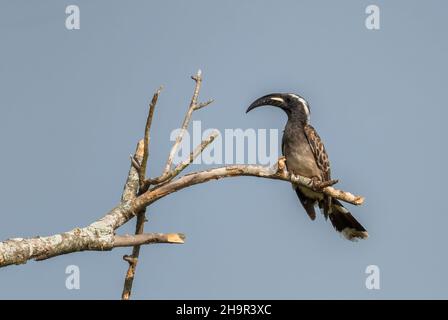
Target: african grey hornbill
column 306, row 156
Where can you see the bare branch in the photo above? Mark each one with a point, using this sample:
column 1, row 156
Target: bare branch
column 18, row 251
column 132, row 182
column 129, row 259
column 193, row 104
column 203, row 104
column 146, row 140
column 181, row 166
column 156, row 193
column 141, row 216
column 148, row 238
column 137, row 196
column 130, row 273
column 98, row 236
column 166, row 175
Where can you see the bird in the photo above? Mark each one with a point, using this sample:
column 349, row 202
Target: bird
column 305, row 155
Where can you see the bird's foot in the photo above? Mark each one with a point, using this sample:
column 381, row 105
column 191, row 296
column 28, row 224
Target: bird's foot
column 318, row 185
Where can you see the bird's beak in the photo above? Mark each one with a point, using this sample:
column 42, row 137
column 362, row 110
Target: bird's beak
column 274, row 99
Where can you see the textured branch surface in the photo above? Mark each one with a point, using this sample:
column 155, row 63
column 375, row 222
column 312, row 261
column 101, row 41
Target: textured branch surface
column 277, row 172
column 148, row 238
column 98, row 236
column 140, row 166
column 18, row 250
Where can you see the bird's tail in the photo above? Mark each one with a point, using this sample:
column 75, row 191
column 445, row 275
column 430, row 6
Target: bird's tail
column 344, row 222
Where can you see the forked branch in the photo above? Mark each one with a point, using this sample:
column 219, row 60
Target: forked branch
column 140, row 192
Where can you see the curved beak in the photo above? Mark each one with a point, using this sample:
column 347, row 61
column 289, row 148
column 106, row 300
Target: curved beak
column 273, row 99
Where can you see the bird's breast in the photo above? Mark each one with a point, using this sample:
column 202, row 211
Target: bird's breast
column 299, row 157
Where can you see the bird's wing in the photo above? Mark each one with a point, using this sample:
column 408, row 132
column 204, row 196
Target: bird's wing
column 318, row 148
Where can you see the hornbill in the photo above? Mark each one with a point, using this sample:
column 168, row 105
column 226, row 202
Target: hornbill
column 306, row 156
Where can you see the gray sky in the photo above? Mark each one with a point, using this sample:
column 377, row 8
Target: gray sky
column 73, row 103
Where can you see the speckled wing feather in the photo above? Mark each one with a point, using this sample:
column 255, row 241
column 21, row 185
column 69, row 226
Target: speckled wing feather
column 320, row 155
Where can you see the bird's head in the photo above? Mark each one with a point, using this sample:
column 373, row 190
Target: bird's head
column 294, row 105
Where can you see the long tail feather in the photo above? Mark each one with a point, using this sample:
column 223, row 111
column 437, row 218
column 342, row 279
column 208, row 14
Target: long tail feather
column 344, row 222
column 307, row 203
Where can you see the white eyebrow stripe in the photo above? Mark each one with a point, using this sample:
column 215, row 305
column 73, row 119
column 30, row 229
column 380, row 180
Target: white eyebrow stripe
column 305, row 106
column 294, row 95
column 303, row 101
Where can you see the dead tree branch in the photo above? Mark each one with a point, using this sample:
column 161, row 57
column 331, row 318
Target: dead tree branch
column 141, row 165
column 140, row 192
column 166, row 176
column 148, row 238
column 98, row 236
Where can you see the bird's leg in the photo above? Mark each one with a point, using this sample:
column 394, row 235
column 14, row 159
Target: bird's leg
column 329, row 183
column 318, row 185
column 315, row 183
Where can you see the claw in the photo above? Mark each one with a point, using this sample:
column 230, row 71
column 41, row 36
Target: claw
column 318, row 185
column 315, row 182
column 329, row 183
